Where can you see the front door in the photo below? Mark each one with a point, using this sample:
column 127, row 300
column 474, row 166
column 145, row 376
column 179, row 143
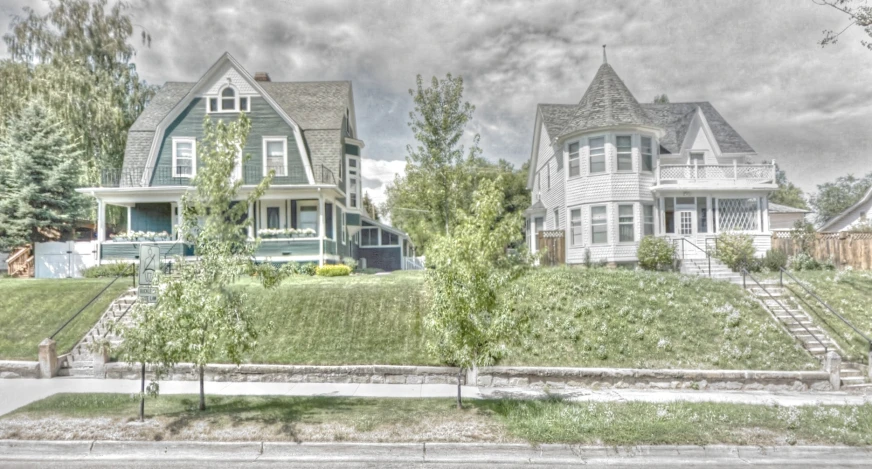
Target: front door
column 686, row 223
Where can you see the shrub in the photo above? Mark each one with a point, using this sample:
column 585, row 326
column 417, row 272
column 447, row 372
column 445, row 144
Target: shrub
column 803, row 235
column 333, row 270
column 308, row 268
column 655, row 253
column 350, row 262
column 775, row 259
column 736, row 250
column 802, row 261
column 109, row 270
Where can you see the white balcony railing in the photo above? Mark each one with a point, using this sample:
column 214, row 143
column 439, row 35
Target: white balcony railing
column 703, row 173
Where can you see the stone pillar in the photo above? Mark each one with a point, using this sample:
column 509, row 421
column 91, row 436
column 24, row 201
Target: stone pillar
column 48, row 359
column 472, row 376
column 833, row 366
column 100, row 356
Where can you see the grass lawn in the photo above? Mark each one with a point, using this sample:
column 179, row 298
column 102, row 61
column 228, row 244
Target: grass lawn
column 228, row 418
column 32, row 309
column 849, row 293
column 589, row 318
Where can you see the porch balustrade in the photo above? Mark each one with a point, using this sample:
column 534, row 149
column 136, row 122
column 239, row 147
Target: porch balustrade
column 703, row 173
column 138, row 176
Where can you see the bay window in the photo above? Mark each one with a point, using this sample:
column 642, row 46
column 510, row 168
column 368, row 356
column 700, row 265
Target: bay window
column 575, row 229
column 626, row 231
column 597, row 155
column 574, row 160
column 599, row 230
column 624, row 144
column 647, row 153
column 648, row 220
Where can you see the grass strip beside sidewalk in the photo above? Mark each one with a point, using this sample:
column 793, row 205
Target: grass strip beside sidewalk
column 326, row 419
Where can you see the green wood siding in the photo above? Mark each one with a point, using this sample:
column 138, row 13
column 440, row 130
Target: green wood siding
column 130, row 251
column 352, row 219
column 330, row 246
column 155, row 217
column 265, row 122
column 308, row 247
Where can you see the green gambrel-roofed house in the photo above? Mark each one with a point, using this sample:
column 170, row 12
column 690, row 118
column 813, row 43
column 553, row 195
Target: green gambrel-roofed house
column 305, row 131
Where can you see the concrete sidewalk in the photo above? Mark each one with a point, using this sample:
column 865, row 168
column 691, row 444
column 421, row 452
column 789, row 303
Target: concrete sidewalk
column 15, row 393
column 472, row 455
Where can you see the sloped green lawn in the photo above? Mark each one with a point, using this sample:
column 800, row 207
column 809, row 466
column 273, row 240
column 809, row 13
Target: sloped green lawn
column 578, row 318
column 33, row 309
column 849, row 293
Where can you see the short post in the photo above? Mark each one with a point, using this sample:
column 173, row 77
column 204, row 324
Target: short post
column 48, row 359
column 833, row 366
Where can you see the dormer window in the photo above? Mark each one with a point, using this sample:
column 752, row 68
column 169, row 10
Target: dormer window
column 228, row 101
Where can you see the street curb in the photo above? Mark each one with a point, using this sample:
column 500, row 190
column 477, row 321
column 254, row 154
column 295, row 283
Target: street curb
column 437, row 453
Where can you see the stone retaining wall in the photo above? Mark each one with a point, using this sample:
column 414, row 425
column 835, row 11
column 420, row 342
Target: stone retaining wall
column 16, row 369
column 500, row 377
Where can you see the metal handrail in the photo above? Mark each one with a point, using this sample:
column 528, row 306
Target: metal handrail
column 848, row 323
column 123, row 314
column 745, row 272
column 707, row 255
column 84, row 308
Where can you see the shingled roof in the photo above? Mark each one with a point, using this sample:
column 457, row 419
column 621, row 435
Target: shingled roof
column 675, row 119
column 318, row 108
column 606, row 103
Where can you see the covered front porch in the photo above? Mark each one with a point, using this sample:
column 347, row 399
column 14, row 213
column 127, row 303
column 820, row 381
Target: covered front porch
column 293, row 226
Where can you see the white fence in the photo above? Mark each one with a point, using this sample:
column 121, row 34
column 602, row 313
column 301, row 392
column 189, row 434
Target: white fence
column 413, row 263
column 64, row 259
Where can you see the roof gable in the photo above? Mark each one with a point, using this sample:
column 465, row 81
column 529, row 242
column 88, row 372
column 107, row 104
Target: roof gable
column 676, row 118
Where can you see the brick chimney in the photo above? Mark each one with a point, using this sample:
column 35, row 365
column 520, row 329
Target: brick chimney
column 261, row 76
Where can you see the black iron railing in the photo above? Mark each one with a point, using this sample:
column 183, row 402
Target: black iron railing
column 708, row 255
column 783, row 271
column 812, row 334
column 89, row 303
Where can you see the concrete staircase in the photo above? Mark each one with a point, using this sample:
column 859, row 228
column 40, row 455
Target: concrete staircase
column 719, row 271
column 79, row 361
column 800, row 325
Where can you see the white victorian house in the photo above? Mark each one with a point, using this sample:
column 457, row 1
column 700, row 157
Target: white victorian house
column 609, row 171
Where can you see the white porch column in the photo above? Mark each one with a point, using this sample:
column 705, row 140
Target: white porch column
column 129, row 219
column 101, row 220
column 661, row 216
column 250, row 220
column 321, row 228
column 711, row 213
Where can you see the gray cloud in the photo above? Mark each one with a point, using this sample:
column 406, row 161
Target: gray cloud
column 757, row 62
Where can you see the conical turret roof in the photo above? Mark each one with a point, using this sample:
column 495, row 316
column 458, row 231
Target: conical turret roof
column 606, row 103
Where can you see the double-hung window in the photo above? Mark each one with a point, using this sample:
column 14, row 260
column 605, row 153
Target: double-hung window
column 599, row 228
column 647, row 154
column 353, row 176
column 625, row 224
column 648, row 220
column 624, row 144
column 597, row 155
column 275, row 155
column 184, row 161
column 574, row 160
column 576, row 234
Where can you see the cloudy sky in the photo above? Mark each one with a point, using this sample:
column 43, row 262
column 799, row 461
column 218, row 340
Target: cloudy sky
column 758, row 63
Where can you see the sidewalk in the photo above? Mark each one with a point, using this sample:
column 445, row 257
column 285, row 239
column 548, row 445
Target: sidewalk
column 15, row 393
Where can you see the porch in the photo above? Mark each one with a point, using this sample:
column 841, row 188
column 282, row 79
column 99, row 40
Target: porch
column 725, row 176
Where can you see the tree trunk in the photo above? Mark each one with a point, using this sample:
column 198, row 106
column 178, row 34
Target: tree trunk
column 459, row 378
column 202, row 393
column 142, row 394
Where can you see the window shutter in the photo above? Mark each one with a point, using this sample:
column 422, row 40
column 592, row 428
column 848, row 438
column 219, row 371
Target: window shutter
column 294, row 214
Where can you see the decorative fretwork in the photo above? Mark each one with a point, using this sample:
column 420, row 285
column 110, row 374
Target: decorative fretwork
column 737, row 215
column 756, row 173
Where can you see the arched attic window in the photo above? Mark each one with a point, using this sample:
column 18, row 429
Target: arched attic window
column 228, row 100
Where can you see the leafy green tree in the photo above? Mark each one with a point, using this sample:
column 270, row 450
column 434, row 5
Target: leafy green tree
column 205, row 316
column 661, row 99
column 77, row 59
column 859, row 13
column 369, row 207
column 468, row 325
column 38, row 177
column 787, row 193
column 437, row 184
column 833, row 198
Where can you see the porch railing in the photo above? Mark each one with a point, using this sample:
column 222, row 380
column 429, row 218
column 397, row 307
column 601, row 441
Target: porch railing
column 144, row 176
column 716, row 172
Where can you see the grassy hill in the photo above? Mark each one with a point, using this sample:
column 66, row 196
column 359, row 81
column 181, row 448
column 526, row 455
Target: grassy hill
column 32, row 309
column 579, row 318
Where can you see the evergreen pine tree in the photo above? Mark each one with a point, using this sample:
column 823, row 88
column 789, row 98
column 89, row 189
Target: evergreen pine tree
column 40, row 173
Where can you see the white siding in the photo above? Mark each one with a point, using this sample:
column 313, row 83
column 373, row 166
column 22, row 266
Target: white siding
column 852, row 218
column 236, row 79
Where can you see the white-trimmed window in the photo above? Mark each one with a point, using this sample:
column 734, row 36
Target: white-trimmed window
column 353, row 182
column 228, row 100
column 389, row 239
column 369, row 236
column 307, row 216
column 575, row 227
column 624, row 144
column 574, row 160
column 626, row 231
column 599, row 228
column 184, row 157
column 647, row 153
column 648, row 220
column 598, row 155
column 275, row 155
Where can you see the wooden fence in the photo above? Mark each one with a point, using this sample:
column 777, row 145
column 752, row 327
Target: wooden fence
column 845, row 248
column 552, row 242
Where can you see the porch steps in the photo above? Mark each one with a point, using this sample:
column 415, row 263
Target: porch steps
column 80, row 360
column 719, row 271
column 803, row 328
